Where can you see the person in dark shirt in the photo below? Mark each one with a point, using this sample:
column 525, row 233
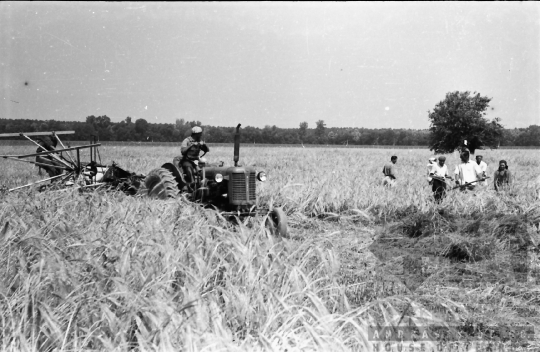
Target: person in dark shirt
column 389, row 172
column 190, row 149
column 47, row 144
column 502, row 177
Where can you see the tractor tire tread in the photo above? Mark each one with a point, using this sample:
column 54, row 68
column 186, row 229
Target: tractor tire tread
column 160, row 183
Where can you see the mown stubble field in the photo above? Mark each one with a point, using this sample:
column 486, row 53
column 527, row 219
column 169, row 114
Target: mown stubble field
column 105, row 271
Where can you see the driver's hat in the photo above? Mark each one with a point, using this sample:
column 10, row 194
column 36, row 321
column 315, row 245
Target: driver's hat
column 196, row 130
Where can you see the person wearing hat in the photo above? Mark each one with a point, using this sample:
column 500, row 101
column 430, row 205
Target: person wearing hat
column 432, row 161
column 483, row 167
column 468, row 173
column 190, row 149
column 439, row 173
column 502, row 177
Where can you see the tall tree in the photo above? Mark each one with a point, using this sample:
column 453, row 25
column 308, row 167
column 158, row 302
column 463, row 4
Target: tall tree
column 459, row 117
column 103, row 121
column 141, row 126
column 91, row 119
column 320, row 129
column 303, row 130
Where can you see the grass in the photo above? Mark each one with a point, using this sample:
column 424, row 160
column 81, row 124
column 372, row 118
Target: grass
column 105, row 271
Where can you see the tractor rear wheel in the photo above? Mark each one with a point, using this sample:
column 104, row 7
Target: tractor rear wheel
column 277, row 222
column 160, row 183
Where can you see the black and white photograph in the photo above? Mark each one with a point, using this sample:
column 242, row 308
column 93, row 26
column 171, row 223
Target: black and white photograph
column 270, row 176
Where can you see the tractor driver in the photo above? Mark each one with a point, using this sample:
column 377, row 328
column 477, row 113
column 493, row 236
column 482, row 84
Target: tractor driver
column 190, row 149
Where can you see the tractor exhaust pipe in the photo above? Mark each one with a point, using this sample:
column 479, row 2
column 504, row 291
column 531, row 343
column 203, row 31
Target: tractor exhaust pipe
column 237, row 145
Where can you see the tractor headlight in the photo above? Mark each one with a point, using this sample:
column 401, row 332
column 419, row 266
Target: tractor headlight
column 261, row 176
column 218, row 178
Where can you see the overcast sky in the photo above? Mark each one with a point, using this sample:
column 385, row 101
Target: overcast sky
column 364, row 64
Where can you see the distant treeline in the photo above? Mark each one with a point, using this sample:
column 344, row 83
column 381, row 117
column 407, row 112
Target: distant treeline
column 141, row 130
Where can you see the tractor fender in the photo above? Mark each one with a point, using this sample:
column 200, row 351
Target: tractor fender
column 177, row 173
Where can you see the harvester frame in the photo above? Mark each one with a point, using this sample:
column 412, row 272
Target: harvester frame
column 75, row 171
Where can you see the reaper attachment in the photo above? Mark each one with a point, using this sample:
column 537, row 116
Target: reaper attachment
column 66, row 168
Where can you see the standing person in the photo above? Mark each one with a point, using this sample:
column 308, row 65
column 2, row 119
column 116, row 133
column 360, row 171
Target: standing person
column 47, row 144
column 432, row 161
column 483, row 167
column 439, row 172
column 467, row 172
column 389, row 172
column 502, row 177
column 190, row 149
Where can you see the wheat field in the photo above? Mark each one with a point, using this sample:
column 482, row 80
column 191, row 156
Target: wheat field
column 106, row 271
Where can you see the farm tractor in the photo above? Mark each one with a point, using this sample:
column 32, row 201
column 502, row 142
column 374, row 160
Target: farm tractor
column 231, row 189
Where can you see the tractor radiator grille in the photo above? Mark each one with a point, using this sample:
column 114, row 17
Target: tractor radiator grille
column 252, row 186
column 239, row 186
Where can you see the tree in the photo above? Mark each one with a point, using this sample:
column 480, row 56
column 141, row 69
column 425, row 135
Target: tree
column 141, row 125
column 332, row 135
column 91, row 119
column 356, row 134
column 303, row 130
column 84, row 131
column 102, row 126
column 459, row 117
column 320, row 129
column 529, row 137
column 124, row 131
column 103, row 121
column 179, row 125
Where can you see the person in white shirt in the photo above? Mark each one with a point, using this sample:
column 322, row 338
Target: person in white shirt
column 467, row 173
column 483, row 167
column 439, row 173
column 432, row 161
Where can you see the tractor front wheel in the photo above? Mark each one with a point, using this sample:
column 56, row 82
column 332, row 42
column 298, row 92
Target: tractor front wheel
column 277, row 222
column 161, row 184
